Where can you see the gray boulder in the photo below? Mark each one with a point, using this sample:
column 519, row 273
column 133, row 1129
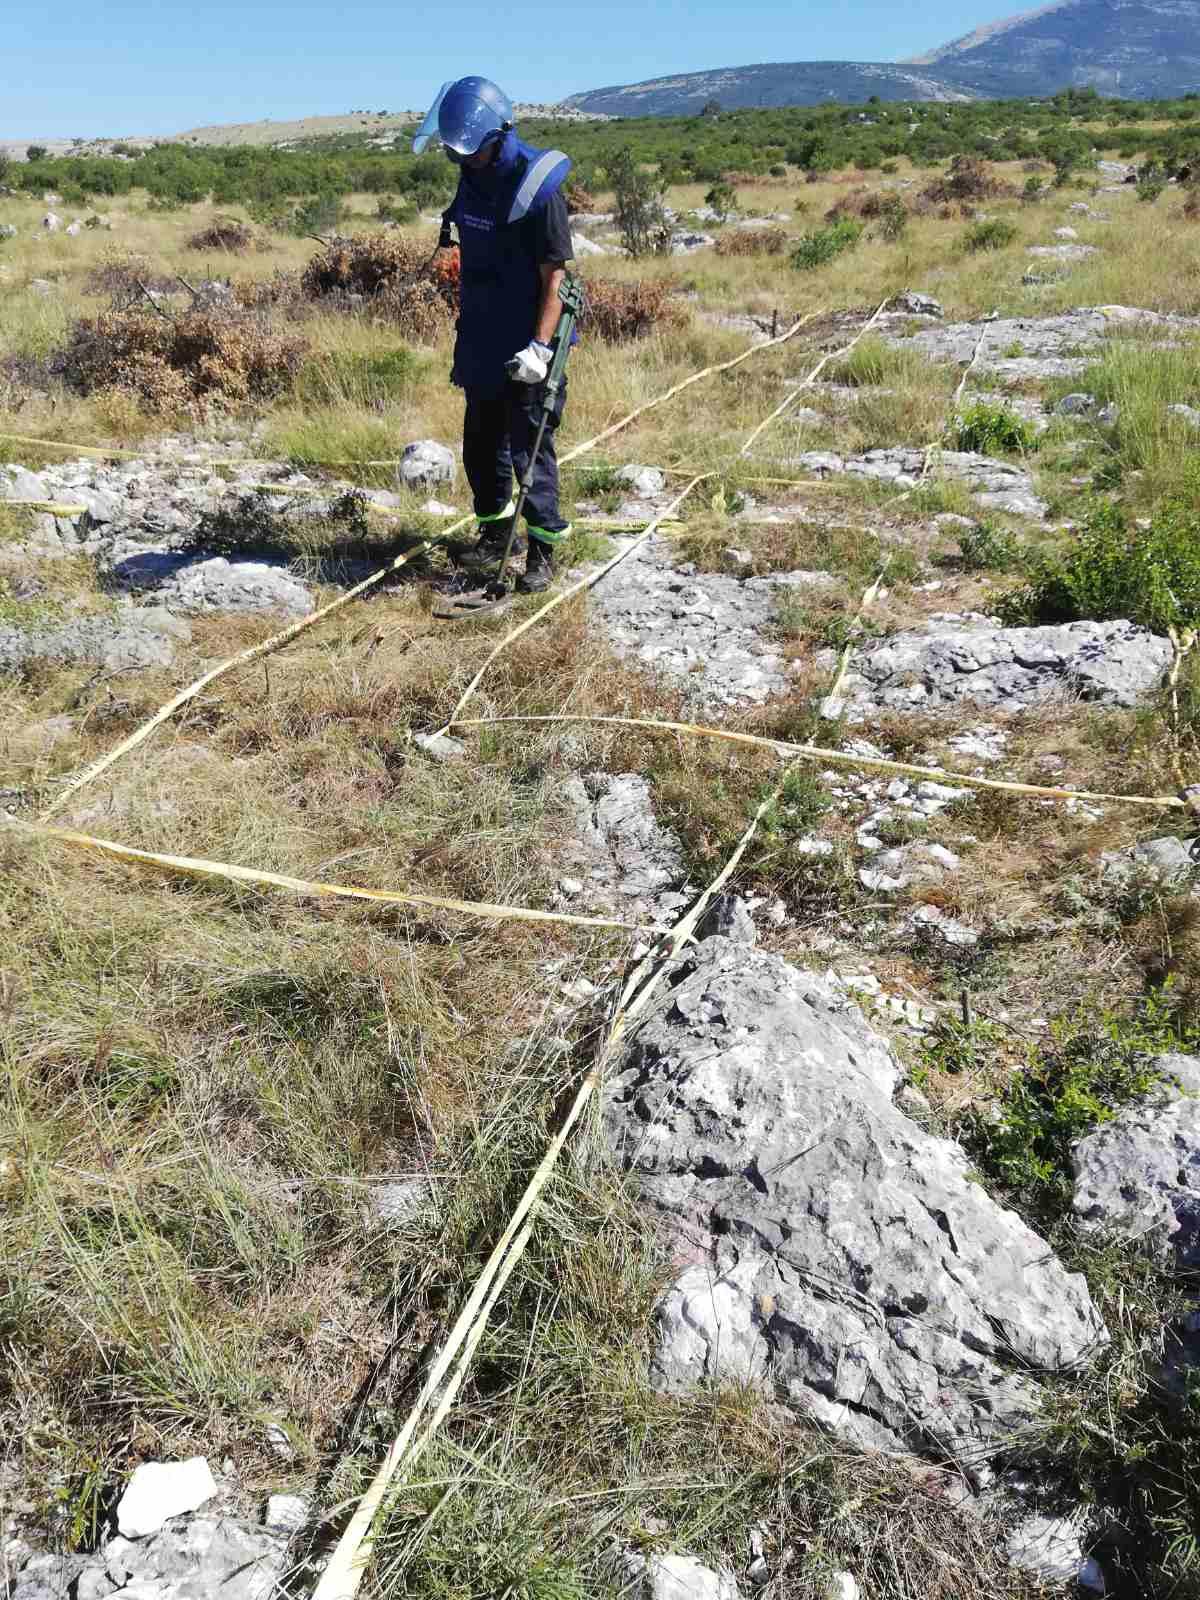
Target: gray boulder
column 1138, row 1176
column 51, row 223
column 999, row 485
column 918, row 305
column 1076, row 405
column 141, row 636
column 707, row 630
column 425, row 464
column 18, row 484
column 221, row 585
column 828, row 1250
column 1062, row 252
column 1188, row 414
column 628, row 857
column 1050, row 1548
column 7, row 231
column 1166, row 863
column 644, row 482
column 955, row 661
column 656, row 1576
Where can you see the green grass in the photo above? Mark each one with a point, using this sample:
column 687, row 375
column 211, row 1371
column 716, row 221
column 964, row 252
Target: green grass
column 993, row 235
column 994, row 430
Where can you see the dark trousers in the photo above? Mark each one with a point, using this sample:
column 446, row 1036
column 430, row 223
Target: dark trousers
column 498, row 434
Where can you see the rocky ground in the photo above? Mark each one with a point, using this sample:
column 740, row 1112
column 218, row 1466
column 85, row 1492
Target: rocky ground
column 830, row 1247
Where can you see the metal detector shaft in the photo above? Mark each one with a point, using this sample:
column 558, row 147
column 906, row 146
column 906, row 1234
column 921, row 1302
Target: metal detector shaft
column 570, row 292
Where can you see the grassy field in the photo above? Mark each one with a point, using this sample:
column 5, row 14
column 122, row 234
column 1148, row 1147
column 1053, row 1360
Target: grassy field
column 204, row 1085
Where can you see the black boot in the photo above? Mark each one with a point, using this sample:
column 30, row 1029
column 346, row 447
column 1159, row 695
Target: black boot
column 490, row 546
column 539, row 569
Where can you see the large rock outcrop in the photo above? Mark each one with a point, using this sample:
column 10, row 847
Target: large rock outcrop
column 829, row 1250
column 969, row 660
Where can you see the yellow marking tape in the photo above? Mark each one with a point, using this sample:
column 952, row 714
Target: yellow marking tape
column 198, row 867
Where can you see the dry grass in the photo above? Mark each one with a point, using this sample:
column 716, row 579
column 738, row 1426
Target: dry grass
column 203, row 1085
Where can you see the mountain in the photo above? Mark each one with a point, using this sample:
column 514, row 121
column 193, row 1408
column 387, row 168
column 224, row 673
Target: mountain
column 787, row 83
column 1140, row 49
column 1136, row 48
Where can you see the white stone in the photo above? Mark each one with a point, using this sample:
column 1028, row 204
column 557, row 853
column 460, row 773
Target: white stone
column 286, row 1513
column 160, row 1490
column 51, row 223
column 840, row 1586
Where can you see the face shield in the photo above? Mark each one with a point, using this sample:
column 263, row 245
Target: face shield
column 464, row 116
column 429, row 127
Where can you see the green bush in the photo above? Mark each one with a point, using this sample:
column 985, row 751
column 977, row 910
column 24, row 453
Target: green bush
column 1148, row 575
column 988, row 547
column 638, row 202
column 722, row 199
column 892, row 218
column 992, row 428
column 389, row 210
column 819, row 246
column 993, row 235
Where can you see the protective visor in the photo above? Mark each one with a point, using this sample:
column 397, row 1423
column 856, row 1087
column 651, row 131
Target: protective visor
column 429, row 128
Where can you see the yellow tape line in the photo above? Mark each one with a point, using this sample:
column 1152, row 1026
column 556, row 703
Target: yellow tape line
column 254, row 653
column 52, row 507
column 80, row 449
column 198, row 867
column 836, row 758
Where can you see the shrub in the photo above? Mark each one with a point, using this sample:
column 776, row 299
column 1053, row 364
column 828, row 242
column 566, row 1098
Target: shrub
column 616, row 311
column 988, row 547
column 968, row 178
column 638, row 200
column 389, row 210
column 578, row 197
column 991, row 428
column 1147, row 575
column 226, row 233
column 892, row 218
column 223, row 355
column 1149, row 189
column 396, row 278
column 752, row 242
column 993, row 235
column 123, row 274
column 35, row 152
column 1032, row 190
column 722, row 199
column 819, row 246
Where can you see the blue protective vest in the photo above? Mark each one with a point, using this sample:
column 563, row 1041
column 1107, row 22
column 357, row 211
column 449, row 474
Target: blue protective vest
column 501, row 284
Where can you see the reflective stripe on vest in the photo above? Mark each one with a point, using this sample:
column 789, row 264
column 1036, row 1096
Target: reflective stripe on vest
column 537, row 176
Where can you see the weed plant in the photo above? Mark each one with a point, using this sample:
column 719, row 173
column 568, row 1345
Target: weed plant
column 820, row 246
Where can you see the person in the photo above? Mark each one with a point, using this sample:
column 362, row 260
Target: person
column 515, row 241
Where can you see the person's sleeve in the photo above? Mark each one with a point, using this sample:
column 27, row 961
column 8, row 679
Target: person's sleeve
column 554, row 232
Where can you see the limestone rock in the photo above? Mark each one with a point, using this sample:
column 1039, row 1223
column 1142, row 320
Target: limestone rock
column 286, row 1513
column 628, row 855
column 220, row 585
column 1048, row 1547
column 1076, row 405
column 645, row 482
column 999, row 485
column 674, row 1577
column 918, row 862
column 1062, row 252
column 1066, row 233
column 918, row 305
column 729, row 916
column 1167, row 862
column 138, row 636
column 829, row 1250
column 425, row 464
column 51, row 222
column 160, row 1490
column 18, row 484
column 1188, row 414
column 1138, row 1176
column 710, row 631
column 970, row 661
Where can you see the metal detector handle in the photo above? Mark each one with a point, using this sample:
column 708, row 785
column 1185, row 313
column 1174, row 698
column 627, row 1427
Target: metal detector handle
column 570, row 293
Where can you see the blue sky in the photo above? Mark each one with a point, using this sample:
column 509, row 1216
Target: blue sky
column 90, row 68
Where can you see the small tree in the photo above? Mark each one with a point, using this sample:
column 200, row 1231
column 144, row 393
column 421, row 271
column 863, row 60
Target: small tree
column 35, row 152
column 711, row 108
column 722, row 200
column 5, row 164
column 638, row 198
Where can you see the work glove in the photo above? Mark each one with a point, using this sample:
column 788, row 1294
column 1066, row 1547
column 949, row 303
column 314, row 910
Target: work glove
column 531, row 364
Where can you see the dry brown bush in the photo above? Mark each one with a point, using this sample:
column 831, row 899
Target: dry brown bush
column 866, row 203
column 578, row 198
column 208, row 355
column 617, row 312
column 968, row 178
column 226, row 233
column 123, row 273
column 752, row 242
column 396, row 278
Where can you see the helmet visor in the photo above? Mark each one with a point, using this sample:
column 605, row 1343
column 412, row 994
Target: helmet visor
column 429, row 127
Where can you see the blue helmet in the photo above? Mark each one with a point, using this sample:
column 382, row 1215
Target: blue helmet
column 465, row 115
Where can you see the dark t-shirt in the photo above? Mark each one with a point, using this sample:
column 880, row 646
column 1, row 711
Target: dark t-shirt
column 552, row 232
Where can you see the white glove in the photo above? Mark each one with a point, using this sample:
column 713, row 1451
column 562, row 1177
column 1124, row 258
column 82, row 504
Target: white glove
column 531, row 364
